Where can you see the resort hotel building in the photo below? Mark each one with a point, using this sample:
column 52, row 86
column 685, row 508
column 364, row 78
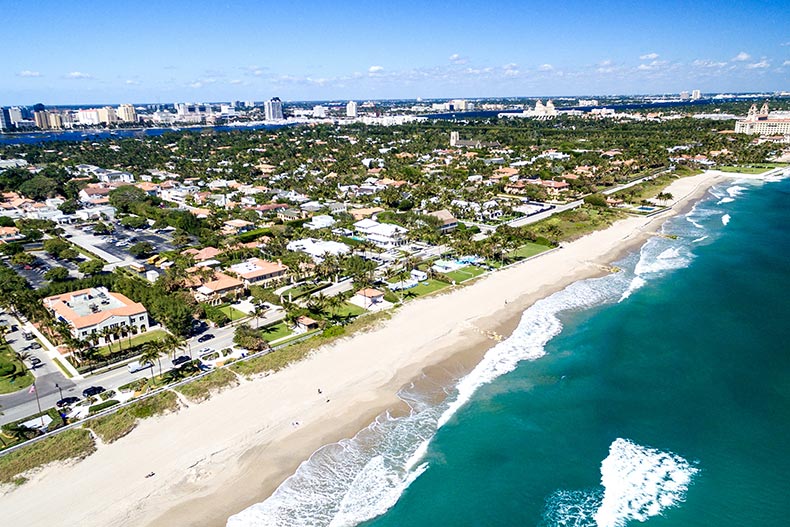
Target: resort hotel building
column 763, row 123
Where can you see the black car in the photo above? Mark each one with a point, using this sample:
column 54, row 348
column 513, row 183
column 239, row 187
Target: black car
column 93, row 390
column 35, row 361
column 181, row 360
column 204, row 338
column 34, row 345
column 66, row 401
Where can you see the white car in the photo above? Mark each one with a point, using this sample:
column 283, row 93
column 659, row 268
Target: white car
column 136, row 366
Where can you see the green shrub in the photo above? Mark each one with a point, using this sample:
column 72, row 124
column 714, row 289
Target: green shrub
column 201, row 389
column 96, row 408
column 116, row 425
column 334, row 331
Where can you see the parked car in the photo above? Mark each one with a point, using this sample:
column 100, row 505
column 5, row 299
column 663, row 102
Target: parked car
column 136, row 366
column 93, row 390
column 205, row 351
column 35, row 361
column 204, row 338
column 66, row 401
column 34, row 345
column 178, row 361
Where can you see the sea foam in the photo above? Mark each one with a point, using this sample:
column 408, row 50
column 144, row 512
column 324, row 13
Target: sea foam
column 640, row 482
column 637, row 483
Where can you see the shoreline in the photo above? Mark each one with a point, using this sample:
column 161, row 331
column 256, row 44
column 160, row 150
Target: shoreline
column 214, row 459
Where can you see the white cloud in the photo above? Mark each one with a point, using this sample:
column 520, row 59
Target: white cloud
column 375, row 69
column 235, row 81
column 455, row 58
column 511, row 70
column 546, row 67
column 196, row 84
column 79, row 75
column 708, row 64
column 649, row 56
column 28, row 73
column 131, row 82
column 741, row 57
column 759, row 65
column 785, row 44
column 786, row 63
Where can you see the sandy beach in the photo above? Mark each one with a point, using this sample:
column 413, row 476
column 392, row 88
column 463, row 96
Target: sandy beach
column 216, row 458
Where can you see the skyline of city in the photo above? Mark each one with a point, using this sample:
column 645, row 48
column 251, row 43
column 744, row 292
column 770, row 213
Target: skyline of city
column 248, row 51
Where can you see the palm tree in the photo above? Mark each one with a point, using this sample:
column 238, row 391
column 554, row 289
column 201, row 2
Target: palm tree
column 175, row 343
column 153, row 351
column 259, row 311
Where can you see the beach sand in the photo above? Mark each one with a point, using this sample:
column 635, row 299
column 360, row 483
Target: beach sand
column 213, row 459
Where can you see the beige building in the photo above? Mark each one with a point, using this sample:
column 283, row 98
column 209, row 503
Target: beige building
column 91, row 311
column 762, row 123
column 126, row 113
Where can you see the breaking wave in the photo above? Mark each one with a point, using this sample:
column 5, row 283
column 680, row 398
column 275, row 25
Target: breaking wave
column 637, row 483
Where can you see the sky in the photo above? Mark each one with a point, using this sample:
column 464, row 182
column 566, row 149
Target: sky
column 86, row 51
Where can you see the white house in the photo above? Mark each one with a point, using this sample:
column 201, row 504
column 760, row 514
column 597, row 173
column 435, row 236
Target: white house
column 384, row 235
column 323, row 221
column 317, row 249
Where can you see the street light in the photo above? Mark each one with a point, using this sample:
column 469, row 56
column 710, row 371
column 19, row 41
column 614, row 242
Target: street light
column 59, row 390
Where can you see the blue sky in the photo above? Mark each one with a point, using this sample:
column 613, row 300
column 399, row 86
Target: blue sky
column 79, row 52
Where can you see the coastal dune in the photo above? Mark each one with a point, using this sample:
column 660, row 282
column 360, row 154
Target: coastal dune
column 214, row 459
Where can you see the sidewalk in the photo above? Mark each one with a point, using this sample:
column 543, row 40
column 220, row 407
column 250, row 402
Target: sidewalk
column 52, row 351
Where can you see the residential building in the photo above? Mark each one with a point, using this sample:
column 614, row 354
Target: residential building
column 384, row 235
column 351, row 109
column 42, row 119
column 5, row 120
column 273, row 109
column 127, row 113
column 89, row 312
column 317, row 249
column 237, row 226
column 319, row 112
column 320, row 222
column 259, row 272
column 217, row 289
column 292, row 214
column 10, row 234
column 448, row 221
column 88, row 117
column 107, row 115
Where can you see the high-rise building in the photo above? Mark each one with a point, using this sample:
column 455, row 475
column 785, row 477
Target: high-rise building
column 5, row 120
column 126, row 113
column 351, row 109
column 684, row 96
column 55, row 121
column 16, row 114
column 273, row 109
column 696, row 95
column 319, row 112
column 89, row 117
column 107, row 115
column 41, row 118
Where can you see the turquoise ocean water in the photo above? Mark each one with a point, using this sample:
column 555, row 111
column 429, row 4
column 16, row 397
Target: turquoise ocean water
column 660, row 394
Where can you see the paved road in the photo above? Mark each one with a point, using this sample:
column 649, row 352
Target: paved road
column 21, row 404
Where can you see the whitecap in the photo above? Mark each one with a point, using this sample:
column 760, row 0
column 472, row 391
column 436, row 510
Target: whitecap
column 640, row 482
column 725, row 200
column 725, row 219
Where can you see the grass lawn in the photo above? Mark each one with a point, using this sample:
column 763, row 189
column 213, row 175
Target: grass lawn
column 751, row 169
column 527, row 250
column 138, row 340
column 276, row 331
column 426, row 287
column 465, row 273
column 573, row 224
column 303, row 289
column 346, row 310
column 232, row 313
column 7, row 383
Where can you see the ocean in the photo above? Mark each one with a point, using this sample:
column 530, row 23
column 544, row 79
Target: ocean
column 658, row 394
